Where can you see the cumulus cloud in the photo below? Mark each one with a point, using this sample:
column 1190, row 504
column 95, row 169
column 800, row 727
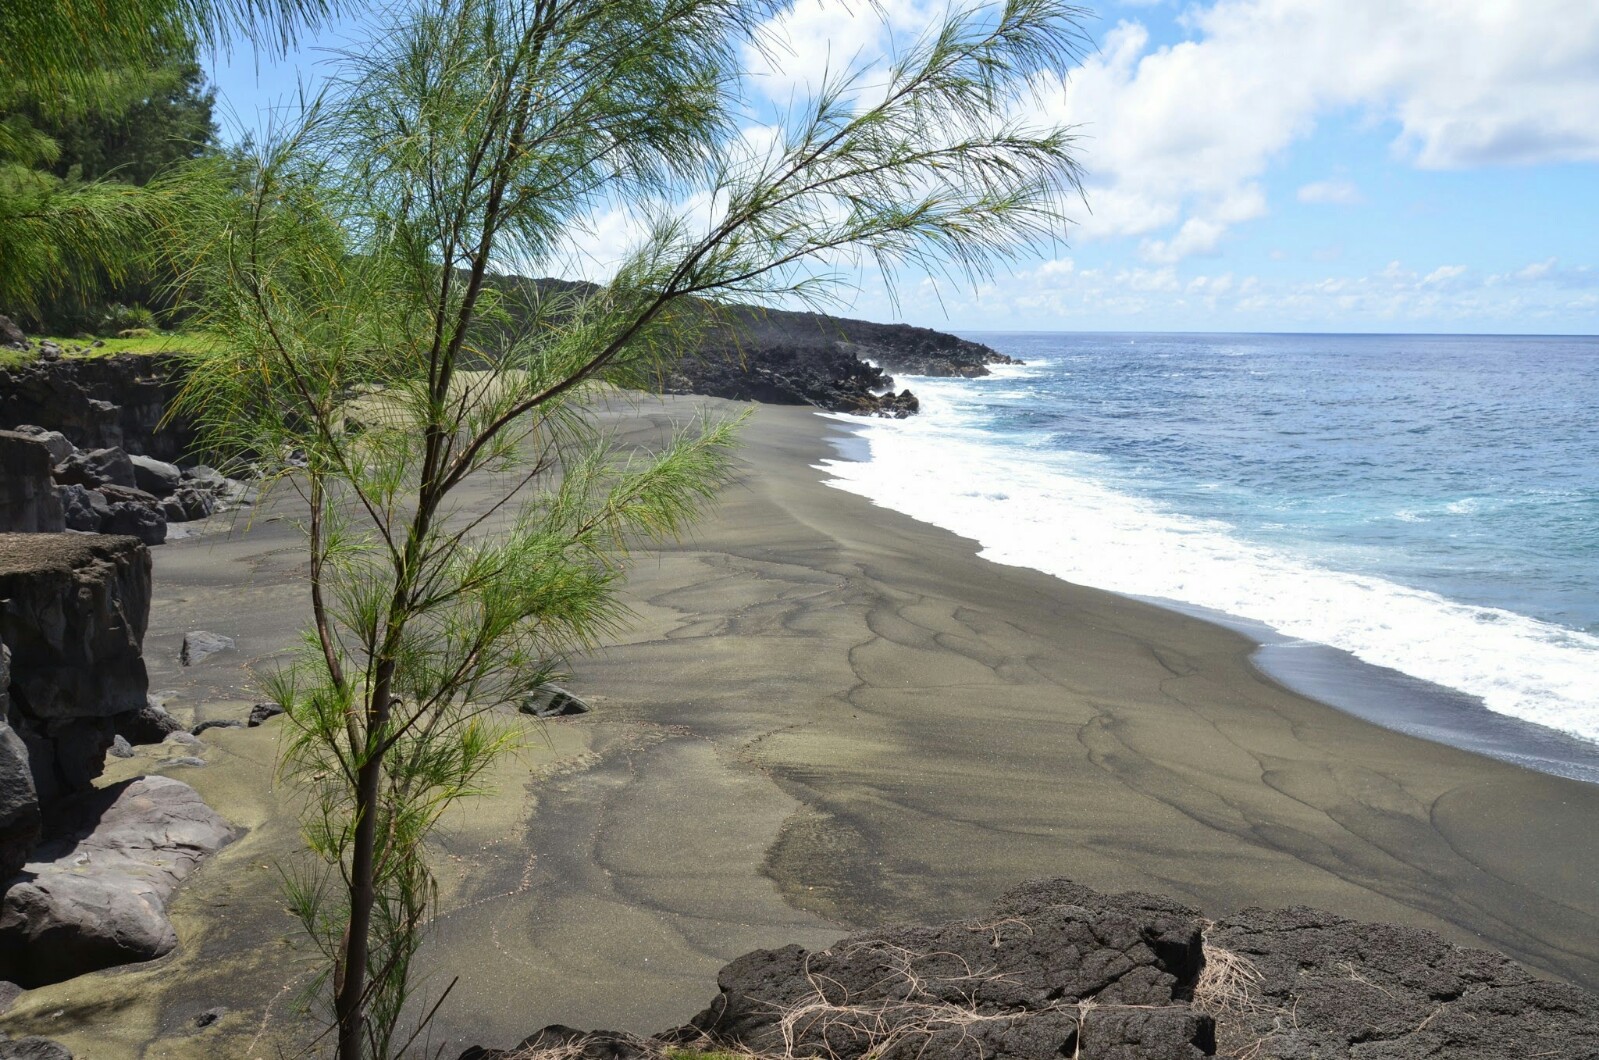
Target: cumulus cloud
column 1173, row 132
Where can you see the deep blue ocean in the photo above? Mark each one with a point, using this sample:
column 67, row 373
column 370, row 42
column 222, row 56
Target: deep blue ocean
column 1427, row 504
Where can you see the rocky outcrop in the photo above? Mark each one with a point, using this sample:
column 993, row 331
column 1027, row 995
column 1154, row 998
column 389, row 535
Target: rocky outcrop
column 28, row 501
column 73, row 610
column 101, row 402
column 1320, row 985
column 95, row 895
column 20, row 821
column 1054, row 971
column 1058, row 970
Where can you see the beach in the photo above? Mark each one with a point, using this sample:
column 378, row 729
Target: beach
column 826, row 715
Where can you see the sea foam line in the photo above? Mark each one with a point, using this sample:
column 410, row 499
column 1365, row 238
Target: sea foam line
column 1030, row 508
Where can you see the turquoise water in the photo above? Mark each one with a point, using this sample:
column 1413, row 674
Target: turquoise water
column 1428, row 504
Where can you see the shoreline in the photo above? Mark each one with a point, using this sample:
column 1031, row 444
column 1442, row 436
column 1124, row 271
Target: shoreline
column 828, row 715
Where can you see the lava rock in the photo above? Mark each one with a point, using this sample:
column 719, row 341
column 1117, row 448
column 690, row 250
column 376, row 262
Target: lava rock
column 97, row 467
column 570, row 1043
column 20, row 821
column 217, row 723
column 54, row 441
column 155, row 476
column 189, row 503
column 1024, row 970
column 74, row 618
column 148, row 524
column 204, row 478
column 552, row 701
column 96, row 896
column 1327, row 986
column 209, row 1016
column 82, row 509
column 199, row 645
column 262, row 712
column 120, row 747
column 11, row 335
column 28, row 501
column 149, row 724
column 34, row 1047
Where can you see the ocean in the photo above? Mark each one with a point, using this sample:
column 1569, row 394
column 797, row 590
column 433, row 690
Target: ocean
column 1408, row 523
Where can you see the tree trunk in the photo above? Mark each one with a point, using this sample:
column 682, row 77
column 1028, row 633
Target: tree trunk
column 349, row 1004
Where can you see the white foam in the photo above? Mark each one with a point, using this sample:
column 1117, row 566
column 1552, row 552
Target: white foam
column 1044, row 510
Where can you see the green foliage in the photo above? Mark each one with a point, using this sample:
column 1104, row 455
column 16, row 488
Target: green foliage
column 360, row 356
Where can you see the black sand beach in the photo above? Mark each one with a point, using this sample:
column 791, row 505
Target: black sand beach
column 828, row 716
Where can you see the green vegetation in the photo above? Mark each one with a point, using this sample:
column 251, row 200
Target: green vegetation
column 341, row 278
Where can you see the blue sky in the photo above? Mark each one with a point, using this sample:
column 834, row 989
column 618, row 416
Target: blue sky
column 1259, row 165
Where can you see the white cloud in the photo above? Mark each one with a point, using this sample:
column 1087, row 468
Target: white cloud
column 1172, row 132
column 1331, row 192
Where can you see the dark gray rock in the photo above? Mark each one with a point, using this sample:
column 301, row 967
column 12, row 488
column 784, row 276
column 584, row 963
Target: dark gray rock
column 199, row 644
column 188, row 504
column 217, row 723
column 155, row 476
column 552, row 701
column 73, row 610
column 11, row 335
column 569, row 1043
column 82, row 508
column 102, row 402
column 54, row 441
column 149, row 724
column 20, row 821
column 210, row 1016
column 148, row 524
column 1006, row 985
column 28, row 501
column 262, row 712
column 33, row 1047
column 97, row 467
column 204, row 478
column 1331, row 987
column 120, row 747
column 96, row 896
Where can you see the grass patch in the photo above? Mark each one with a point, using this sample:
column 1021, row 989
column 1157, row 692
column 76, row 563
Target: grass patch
column 157, row 342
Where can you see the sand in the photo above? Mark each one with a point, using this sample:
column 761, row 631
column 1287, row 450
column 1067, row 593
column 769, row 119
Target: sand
column 828, row 716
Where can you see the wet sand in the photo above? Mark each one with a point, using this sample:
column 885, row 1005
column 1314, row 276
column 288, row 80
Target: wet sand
column 828, row 716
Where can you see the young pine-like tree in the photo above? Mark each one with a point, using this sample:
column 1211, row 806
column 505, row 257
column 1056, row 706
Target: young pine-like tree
column 358, row 328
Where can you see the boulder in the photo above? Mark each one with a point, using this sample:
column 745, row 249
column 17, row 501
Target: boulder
column 82, row 508
column 120, row 747
column 199, row 644
column 189, row 503
column 33, row 1047
column 155, row 476
column 95, row 896
column 20, row 822
column 261, row 712
column 28, row 501
column 73, row 610
column 147, row 523
column 97, row 467
column 54, row 441
column 149, row 724
column 552, row 701
column 204, row 478
column 11, row 335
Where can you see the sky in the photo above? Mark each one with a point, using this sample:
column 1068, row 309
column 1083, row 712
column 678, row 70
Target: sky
column 1251, row 165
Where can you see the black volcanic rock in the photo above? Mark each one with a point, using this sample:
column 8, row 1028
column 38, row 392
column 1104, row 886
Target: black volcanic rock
column 1056, row 969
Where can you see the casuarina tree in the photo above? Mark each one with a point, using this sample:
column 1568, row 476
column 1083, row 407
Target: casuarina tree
column 366, row 357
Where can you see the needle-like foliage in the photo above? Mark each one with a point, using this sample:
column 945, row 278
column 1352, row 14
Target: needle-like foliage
column 366, row 357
